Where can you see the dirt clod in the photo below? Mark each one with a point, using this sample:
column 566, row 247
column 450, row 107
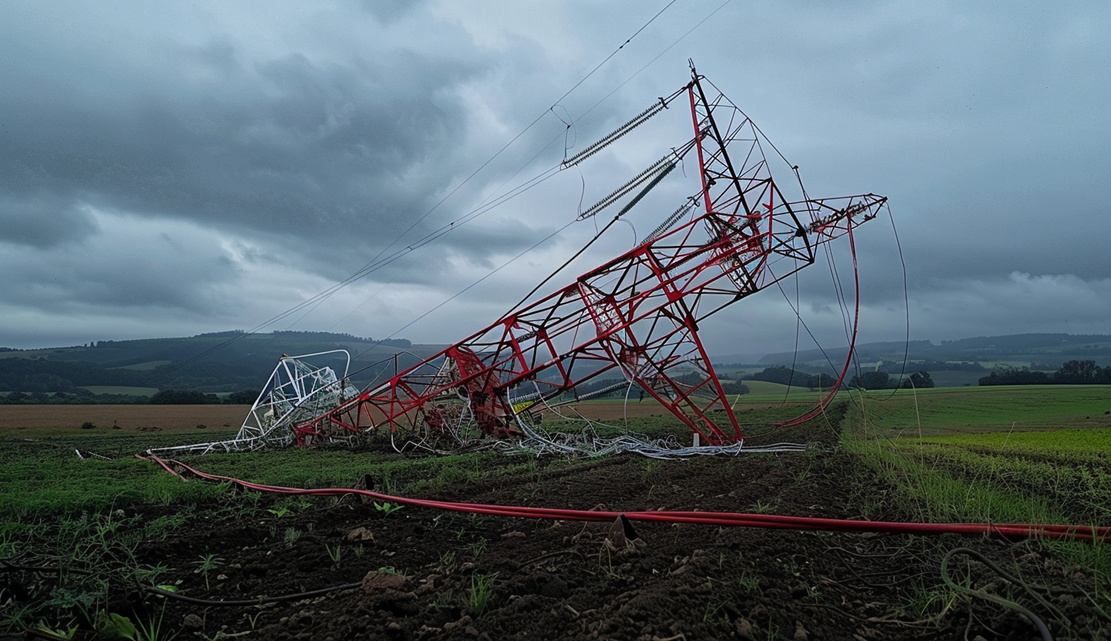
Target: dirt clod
column 360, row 534
column 375, row 582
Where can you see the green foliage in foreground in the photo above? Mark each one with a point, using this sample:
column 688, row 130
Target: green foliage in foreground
column 1096, row 442
column 987, row 478
column 96, row 562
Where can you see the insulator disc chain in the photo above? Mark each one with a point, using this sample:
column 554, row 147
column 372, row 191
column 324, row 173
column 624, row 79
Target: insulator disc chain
column 614, row 135
column 621, row 191
column 671, row 220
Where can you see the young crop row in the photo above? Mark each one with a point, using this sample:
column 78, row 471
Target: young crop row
column 1068, row 443
column 992, row 478
column 1080, row 492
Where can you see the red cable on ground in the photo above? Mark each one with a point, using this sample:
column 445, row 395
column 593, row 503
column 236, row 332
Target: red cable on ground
column 722, row 519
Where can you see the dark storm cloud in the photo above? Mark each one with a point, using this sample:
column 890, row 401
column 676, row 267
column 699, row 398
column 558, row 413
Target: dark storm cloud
column 123, row 267
column 43, row 221
column 983, row 124
column 284, row 145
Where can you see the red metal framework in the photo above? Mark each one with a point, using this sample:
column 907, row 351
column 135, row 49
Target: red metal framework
column 637, row 314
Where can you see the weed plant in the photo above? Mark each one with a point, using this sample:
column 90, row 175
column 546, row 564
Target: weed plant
column 335, row 554
column 93, row 561
column 481, row 593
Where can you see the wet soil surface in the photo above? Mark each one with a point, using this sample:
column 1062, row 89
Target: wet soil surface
column 418, row 573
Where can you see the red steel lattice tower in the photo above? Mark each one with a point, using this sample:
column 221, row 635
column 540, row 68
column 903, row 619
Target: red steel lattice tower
column 637, row 314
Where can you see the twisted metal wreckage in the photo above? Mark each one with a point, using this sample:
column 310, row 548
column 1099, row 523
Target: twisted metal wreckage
column 637, row 314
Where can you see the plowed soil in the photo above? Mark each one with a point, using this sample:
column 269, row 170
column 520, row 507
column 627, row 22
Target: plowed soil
column 415, row 573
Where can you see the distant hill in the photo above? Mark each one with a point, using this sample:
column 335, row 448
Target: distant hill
column 235, row 360
column 215, row 362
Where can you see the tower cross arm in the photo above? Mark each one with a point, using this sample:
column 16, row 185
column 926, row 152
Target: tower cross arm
column 831, row 217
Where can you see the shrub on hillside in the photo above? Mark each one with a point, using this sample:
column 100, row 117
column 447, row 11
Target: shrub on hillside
column 182, row 397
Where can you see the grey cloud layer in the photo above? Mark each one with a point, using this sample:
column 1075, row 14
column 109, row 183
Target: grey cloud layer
column 183, row 157
column 284, row 145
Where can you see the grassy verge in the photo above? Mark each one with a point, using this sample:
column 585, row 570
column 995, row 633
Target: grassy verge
column 1005, row 477
column 47, row 479
column 1061, row 476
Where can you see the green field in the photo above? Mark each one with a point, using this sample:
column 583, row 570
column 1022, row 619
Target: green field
column 1066, row 421
column 957, row 378
column 762, row 392
column 1096, row 442
column 987, row 409
column 44, row 478
column 1039, row 454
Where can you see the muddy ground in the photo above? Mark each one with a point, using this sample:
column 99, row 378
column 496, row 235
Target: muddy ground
column 415, row 573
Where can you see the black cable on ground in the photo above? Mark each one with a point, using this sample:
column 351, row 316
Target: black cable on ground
column 256, row 601
column 994, row 598
column 7, row 565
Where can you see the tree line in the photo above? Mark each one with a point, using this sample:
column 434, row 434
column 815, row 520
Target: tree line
column 1071, row 373
column 787, row 376
column 162, row 397
column 880, row 379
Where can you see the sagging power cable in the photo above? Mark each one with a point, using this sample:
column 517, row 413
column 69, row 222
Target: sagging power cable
column 659, row 176
column 377, row 261
column 665, row 165
column 613, row 136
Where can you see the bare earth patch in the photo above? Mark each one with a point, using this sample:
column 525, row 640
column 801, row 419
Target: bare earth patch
column 571, row 580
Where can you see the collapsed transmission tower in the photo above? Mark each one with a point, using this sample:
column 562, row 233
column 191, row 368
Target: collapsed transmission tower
column 637, row 315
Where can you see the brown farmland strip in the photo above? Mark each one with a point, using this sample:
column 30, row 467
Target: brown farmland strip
column 15, row 418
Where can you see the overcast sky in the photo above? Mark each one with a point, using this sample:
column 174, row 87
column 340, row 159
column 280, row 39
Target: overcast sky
column 169, row 169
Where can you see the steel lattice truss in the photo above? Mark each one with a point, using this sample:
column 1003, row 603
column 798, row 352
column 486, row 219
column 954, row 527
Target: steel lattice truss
column 298, row 391
column 638, row 314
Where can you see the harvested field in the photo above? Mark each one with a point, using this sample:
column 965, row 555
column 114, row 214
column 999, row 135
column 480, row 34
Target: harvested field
column 36, row 418
column 615, row 410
